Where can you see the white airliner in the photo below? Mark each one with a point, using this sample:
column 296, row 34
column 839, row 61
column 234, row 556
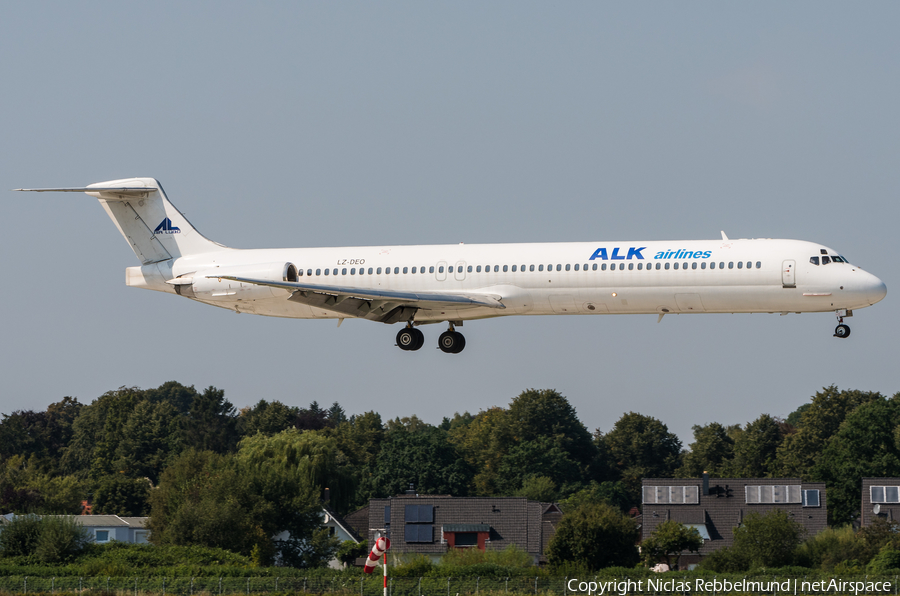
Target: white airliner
column 416, row 285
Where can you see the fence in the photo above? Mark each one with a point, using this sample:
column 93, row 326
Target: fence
column 662, row 584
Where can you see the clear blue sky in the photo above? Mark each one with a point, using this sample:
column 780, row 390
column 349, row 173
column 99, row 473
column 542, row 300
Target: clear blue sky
column 352, row 123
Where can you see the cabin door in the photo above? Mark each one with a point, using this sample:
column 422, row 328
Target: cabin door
column 787, row 274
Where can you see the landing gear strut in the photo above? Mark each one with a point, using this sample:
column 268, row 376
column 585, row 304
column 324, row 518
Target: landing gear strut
column 842, row 330
column 451, row 341
column 409, row 338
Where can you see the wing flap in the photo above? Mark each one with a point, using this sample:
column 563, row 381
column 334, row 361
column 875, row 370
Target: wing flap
column 348, row 299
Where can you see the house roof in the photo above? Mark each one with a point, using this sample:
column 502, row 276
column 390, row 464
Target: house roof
column 343, row 525
column 466, row 528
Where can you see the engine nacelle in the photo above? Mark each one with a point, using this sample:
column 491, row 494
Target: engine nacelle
column 207, row 285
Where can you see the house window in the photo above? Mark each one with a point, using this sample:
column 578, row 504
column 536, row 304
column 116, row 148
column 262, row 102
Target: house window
column 466, row 539
column 811, row 498
column 885, row 494
column 773, row 494
column 674, row 495
column 101, row 535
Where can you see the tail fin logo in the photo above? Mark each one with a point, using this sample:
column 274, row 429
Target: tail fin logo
column 166, row 227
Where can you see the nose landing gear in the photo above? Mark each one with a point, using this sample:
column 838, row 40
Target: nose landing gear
column 842, row 330
column 410, row 339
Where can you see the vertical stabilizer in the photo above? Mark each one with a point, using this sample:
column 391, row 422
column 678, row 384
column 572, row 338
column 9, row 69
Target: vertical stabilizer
column 153, row 227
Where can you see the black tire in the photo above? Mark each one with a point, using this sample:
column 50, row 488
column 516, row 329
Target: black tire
column 461, row 341
column 448, row 342
column 842, row 331
column 406, row 338
column 420, row 340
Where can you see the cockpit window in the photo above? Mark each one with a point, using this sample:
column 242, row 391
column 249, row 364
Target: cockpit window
column 839, row 259
column 825, row 260
column 814, row 260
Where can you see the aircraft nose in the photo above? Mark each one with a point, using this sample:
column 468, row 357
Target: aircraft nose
column 877, row 290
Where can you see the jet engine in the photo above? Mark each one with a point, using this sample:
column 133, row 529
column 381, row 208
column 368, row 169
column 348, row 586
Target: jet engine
column 208, row 285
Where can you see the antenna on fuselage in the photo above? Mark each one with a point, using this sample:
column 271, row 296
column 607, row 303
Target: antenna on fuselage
column 724, row 237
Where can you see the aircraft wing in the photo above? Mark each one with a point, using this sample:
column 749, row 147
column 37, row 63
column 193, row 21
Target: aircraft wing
column 387, row 306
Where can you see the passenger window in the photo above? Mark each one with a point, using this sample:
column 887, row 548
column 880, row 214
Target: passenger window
column 594, row 267
column 712, row 265
column 657, row 267
column 431, row 269
column 370, row 271
column 405, row 270
column 343, row 271
column 378, row 271
column 576, row 267
column 675, row 266
column 327, row 271
column 731, row 264
column 514, row 269
column 694, row 265
column 758, row 264
column 450, row 269
column 478, row 269
column 667, row 265
column 640, row 266
column 387, row 270
column 353, row 271
column 825, row 260
column 703, row 265
column 531, row 267
column 559, row 267
column 522, row 269
column 318, row 272
column 496, row 268
column 441, row 269
column 721, row 264
column 630, row 266
column 396, row 270
column 309, row 271
column 469, row 269
column 505, row 268
column 621, row 266
column 413, row 269
column 568, row 267
column 603, row 267
column 740, row 264
column 540, row 267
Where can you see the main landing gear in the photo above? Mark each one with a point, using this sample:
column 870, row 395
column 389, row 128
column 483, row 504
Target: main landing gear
column 842, row 330
column 411, row 339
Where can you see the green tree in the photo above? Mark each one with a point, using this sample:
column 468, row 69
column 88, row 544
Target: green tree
column 546, row 414
column 482, row 443
column 538, row 488
column 607, row 492
column 50, row 539
column 866, row 445
column 755, row 448
column 711, row 451
column 266, row 418
column 425, row 459
column 594, row 537
column 641, row 447
column 313, row 456
column 768, row 540
column 818, row 422
column 211, row 423
column 117, row 494
column 668, row 539
column 222, row 501
column 538, row 457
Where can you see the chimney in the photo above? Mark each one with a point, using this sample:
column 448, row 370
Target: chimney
column 327, row 494
column 412, row 489
column 705, row 483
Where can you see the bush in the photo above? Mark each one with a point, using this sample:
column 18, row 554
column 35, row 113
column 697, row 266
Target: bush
column 832, row 547
column 886, row 561
column 595, row 536
column 48, row 539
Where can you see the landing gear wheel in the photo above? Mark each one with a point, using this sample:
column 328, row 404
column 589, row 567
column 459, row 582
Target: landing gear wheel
column 842, row 331
column 410, row 339
column 420, row 339
column 451, row 342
